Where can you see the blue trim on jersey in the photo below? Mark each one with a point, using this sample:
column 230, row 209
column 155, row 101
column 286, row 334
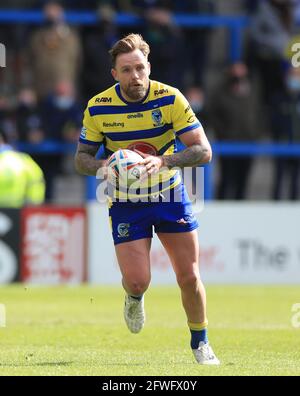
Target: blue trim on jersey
column 84, row 141
column 189, row 128
column 166, row 146
column 143, row 134
column 134, row 108
column 147, row 190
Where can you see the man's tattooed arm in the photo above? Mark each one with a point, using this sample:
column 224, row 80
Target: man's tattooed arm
column 195, row 155
column 85, row 161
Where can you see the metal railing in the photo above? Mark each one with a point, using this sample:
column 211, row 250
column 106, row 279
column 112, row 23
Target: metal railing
column 219, row 149
column 235, row 25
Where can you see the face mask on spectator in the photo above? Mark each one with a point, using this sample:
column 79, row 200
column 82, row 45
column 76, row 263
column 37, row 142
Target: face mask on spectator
column 26, row 102
column 239, row 85
column 50, row 22
column 237, row 80
column 293, row 84
column 63, row 102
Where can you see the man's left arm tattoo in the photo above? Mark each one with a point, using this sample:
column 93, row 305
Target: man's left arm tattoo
column 194, row 155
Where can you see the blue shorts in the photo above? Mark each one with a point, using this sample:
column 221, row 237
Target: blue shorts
column 131, row 221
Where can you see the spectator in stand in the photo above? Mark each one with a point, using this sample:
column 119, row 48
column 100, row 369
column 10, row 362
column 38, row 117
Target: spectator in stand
column 195, row 39
column 251, row 5
column 285, row 122
column 297, row 10
column 270, row 34
column 29, row 124
column 61, row 113
column 195, row 97
column 81, row 4
column 15, row 38
column 97, row 40
column 164, row 37
column 17, row 4
column 232, row 115
column 7, row 123
column 55, row 51
column 28, row 117
column 62, row 119
column 197, row 100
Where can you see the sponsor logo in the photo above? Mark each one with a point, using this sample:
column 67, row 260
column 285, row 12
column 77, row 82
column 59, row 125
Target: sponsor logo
column 145, row 148
column 160, row 92
column 136, row 115
column 113, row 124
column 191, row 119
column 103, row 100
column 123, row 230
column 157, row 117
column 187, row 109
column 186, row 220
column 83, row 133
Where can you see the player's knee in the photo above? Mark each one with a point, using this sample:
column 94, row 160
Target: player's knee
column 190, row 281
column 138, row 288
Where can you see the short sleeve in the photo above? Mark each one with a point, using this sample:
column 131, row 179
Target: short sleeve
column 183, row 118
column 90, row 133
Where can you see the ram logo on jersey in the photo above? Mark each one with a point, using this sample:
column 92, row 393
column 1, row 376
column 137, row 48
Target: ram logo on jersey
column 160, row 92
column 103, row 100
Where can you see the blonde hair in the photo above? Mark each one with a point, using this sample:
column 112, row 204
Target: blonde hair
column 128, row 44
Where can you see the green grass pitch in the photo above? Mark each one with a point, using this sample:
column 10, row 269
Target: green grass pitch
column 81, row 331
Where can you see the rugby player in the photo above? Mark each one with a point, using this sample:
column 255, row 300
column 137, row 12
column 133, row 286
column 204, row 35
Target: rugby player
column 145, row 115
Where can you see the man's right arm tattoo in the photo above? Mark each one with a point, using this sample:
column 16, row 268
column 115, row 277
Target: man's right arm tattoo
column 85, row 161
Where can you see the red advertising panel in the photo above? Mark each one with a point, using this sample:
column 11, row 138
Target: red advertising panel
column 53, row 245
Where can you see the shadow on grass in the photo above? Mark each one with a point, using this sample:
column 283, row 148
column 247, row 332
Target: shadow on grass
column 39, row 364
column 125, row 364
column 145, row 364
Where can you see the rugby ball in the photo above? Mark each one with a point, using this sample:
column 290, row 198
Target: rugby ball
column 123, row 167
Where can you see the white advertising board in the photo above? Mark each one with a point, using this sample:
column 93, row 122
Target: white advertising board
column 256, row 243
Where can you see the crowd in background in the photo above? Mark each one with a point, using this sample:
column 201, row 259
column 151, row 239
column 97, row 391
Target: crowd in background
column 56, row 67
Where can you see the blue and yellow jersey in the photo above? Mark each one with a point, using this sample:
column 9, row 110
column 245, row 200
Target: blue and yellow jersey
column 150, row 126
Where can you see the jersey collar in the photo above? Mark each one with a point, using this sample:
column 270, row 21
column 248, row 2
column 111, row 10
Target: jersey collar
column 118, row 91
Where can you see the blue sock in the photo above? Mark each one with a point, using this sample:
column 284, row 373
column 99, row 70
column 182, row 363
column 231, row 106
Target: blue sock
column 139, row 298
column 197, row 337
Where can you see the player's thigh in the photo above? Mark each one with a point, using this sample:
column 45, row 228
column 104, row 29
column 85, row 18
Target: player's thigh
column 134, row 260
column 183, row 250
